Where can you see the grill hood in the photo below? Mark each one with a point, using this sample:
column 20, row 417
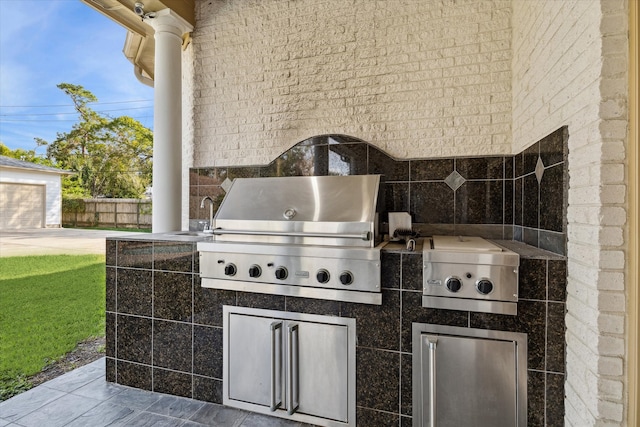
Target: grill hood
column 313, row 210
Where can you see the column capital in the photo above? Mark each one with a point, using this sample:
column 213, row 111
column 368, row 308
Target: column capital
column 166, row 20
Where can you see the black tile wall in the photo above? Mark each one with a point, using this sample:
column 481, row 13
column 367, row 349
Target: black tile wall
column 377, row 380
column 164, row 331
column 154, row 351
column 495, row 191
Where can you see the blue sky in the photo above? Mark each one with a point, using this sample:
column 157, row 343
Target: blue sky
column 47, row 42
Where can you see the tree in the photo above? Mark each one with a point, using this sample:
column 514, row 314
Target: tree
column 24, row 155
column 112, row 157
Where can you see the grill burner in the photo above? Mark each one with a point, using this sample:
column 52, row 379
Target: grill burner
column 312, row 237
column 471, row 274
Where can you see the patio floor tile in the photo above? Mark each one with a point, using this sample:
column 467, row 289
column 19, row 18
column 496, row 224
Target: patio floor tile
column 59, row 412
column 83, row 398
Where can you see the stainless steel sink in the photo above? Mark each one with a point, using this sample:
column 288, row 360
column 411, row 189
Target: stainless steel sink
column 192, row 233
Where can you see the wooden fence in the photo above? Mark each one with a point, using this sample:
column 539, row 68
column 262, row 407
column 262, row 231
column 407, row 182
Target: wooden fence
column 120, row 213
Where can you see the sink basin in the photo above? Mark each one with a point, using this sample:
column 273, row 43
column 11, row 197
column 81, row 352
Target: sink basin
column 192, row 233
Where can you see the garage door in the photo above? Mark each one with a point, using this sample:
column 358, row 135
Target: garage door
column 21, row 206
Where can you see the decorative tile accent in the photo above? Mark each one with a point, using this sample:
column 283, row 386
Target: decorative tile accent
column 454, row 180
column 539, row 169
column 226, row 184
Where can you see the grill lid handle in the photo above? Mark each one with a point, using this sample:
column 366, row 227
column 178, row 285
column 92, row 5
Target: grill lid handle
column 361, row 236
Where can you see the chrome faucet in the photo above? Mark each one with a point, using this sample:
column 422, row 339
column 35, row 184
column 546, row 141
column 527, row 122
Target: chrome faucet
column 208, row 228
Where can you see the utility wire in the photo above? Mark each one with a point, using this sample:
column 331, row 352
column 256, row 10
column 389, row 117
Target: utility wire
column 75, row 112
column 3, row 120
column 72, row 105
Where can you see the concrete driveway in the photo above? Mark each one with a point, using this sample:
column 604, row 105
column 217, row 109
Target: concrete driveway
column 52, row 241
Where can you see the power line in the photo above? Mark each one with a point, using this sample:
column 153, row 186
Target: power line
column 72, row 105
column 3, row 120
column 75, row 112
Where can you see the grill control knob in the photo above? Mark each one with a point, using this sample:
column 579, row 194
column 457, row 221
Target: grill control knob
column 230, row 270
column 453, row 284
column 484, row 286
column 281, row 273
column 255, row 271
column 346, row 278
column 322, row 276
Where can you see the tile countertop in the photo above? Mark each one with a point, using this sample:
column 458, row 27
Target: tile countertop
column 173, row 236
column 524, row 250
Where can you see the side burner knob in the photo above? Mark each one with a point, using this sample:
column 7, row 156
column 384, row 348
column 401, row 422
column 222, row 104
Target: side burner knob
column 484, row 286
column 322, row 276
column 230, row 270
column 346, row 278
column 453, row 284
column 255, row 271
column 281, row 273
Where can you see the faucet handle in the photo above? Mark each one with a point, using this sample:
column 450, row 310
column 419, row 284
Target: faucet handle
column 205, row 225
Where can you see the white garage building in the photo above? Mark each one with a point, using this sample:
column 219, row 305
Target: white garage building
column 30, row 195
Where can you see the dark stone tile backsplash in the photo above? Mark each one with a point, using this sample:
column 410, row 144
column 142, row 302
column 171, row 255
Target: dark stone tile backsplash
column 524, row 194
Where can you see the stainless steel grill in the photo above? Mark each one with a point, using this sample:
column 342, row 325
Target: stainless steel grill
column 313, row 237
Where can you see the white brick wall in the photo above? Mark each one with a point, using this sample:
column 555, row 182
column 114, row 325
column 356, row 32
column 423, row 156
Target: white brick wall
column 188, row 125
column 422, row 78
column 416, row 78
column 569, row 68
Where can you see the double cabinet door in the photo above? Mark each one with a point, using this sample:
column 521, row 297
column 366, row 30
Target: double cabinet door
column 290, row 365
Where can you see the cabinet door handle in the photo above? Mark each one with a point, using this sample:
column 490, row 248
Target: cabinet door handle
column 276, row 365
column 293, row 401
column 433, row 341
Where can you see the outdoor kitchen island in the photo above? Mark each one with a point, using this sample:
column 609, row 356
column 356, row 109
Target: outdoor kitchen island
column 165, row 331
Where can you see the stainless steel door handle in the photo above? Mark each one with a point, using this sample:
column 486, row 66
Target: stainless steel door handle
column 276, row 365
column 293, row 366
column 433, row 341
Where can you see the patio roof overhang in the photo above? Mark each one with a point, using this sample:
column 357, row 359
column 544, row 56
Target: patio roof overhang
column 139, row 46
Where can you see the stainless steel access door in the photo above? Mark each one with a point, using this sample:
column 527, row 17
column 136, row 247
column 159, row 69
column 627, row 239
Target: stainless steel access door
column 290, row 365
column 469, row 377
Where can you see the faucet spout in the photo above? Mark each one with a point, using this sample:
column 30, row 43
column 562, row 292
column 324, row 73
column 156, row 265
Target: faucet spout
column 209, row 227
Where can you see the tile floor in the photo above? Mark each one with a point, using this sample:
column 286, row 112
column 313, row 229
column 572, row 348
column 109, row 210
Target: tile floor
column 82, row 398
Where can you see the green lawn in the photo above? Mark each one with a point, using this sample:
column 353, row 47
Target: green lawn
column 47, row 305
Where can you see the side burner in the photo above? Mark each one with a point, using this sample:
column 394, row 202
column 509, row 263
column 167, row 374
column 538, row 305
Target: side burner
column 469, row 273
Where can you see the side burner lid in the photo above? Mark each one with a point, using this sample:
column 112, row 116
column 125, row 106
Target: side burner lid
column 464, row 244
